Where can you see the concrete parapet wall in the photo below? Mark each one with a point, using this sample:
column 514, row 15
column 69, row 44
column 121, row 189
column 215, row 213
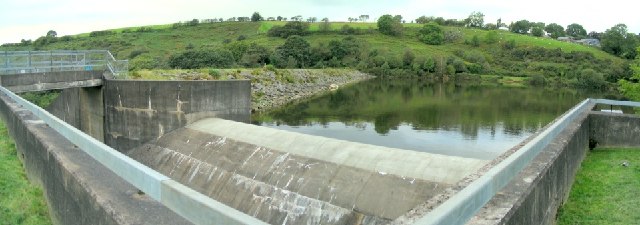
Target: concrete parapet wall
column 51, row 80
column 615, row 130
column 535, row 194
column 78, row 189
column 141, row 111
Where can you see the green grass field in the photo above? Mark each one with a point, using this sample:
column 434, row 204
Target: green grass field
column 163, row 40
column 20, row 201
column 605, row 192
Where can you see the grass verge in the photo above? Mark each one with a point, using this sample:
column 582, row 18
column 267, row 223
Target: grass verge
column 605, row 191
column 20, row 201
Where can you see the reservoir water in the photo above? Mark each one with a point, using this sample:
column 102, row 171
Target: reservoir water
column 476, row 121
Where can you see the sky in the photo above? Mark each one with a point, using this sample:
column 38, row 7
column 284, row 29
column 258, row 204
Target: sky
column 30, row 19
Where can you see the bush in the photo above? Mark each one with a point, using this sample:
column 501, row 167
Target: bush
column 289, row 29
column 590, row 79
column 201, row 59
column 241, row 37
column 214, row 73
column 451, row 36
column 491, row 37
column 144, row 61
column 137, row 52
column 510, row 44
column 347, row 30
column 537, row 80
column 431, row 34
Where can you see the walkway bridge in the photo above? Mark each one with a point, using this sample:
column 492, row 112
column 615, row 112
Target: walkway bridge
column 184, row 146
column 25, row 71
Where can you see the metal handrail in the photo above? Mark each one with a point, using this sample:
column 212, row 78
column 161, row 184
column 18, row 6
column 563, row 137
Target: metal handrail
column 17, row 62
column 466, row 203
column 186, row 202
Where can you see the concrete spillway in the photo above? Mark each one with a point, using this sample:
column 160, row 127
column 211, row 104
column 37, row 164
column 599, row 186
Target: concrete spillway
column 289, row 178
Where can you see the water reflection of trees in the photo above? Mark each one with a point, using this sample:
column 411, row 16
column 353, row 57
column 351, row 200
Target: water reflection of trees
column 425, row 106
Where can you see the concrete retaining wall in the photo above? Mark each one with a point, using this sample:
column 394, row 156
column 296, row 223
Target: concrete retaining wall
column 535, row 194
column 81, row 108
column 78, row 189
column 615, row 130
column 51, row 80
column 141, row 111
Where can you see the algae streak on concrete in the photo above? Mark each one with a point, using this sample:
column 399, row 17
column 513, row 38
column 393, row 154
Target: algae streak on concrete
column 289, row 178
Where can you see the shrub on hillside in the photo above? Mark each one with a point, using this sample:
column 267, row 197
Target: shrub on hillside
column 590, row 79
column 431, row 34
column 289, row 29
column 220, row 58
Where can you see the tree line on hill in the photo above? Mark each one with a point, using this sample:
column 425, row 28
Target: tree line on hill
column 350, row 51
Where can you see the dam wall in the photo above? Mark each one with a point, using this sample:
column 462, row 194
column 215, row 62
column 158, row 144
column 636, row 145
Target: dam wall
column 137, row 112
column 77, row 188
column 81, row 108
column 615, row 130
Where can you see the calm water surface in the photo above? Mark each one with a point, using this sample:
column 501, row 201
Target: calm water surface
column 462, row 120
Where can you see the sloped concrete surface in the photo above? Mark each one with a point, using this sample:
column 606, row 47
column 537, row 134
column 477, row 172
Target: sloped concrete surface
column 273, row 175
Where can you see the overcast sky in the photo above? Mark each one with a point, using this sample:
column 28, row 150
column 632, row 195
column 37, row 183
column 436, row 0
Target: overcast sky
column 30, row 19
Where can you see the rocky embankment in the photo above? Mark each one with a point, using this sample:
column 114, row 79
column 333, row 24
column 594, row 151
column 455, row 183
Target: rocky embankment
column 271, row 89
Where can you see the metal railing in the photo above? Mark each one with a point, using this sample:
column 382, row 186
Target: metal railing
column 190, row 204
column 18, row 62
column 465, row 204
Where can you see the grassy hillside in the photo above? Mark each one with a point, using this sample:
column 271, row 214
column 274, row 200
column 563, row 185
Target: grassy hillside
column 529, row 56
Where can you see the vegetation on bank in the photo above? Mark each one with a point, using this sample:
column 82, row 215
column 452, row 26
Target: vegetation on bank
column 410, row 50
column 20, row 201
column 605, row 191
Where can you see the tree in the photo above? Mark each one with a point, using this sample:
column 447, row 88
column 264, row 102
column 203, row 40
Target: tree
column 499, row 23
column 390, row 25
column 425, row 20
column 554, row 30
column 595, row 35
column 312, row 19
column 619, row 42
column 364, row 18
column 408, row 57
column 297, row 48
column 52, row 33
column 279, row 18
column 520, row 27
column 431, row 34
column 325, row 26
column 476, row 19
column 537, row 31
column 576, row 30
column 256, row 17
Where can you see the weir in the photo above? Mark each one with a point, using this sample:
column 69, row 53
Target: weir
column 196, row 162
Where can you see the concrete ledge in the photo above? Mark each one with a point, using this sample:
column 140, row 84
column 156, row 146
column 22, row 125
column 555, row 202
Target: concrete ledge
column 78, row 189
column 50, row 80
column 55, row 86
column 615, row 130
